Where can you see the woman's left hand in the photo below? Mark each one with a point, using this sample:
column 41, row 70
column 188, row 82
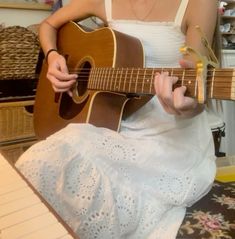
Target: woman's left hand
column 172, row 100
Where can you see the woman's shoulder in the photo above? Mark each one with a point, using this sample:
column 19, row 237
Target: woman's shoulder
column 201, row 9
column 202, row 5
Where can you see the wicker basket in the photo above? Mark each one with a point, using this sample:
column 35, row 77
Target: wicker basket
column 15, row 121
column 19, row 50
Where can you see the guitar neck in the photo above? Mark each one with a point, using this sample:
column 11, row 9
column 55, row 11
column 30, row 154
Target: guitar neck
column 220, row 83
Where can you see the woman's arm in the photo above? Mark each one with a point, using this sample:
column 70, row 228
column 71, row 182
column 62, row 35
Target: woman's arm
column 202, row 13
column 58, row 73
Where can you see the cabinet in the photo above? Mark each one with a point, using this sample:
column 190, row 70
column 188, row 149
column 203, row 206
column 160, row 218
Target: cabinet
column 227, row 25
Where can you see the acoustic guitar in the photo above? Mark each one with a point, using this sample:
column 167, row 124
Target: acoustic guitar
column 111, row 83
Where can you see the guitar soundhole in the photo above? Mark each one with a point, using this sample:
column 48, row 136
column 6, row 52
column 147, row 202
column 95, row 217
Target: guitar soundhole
column 70, row 107
column 83, row 75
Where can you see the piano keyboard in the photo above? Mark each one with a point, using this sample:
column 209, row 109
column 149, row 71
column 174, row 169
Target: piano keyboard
column 23, row 213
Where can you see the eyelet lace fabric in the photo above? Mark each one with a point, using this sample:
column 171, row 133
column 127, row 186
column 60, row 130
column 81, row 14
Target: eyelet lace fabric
column 104, row 186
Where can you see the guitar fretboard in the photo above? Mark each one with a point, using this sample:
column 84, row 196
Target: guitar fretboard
column 220, row 83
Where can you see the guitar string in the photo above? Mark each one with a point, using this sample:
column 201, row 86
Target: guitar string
column 225, row 79
column 143, row 71
column 188, row 83
column 129, row 80
column 86, row 74
column 139, row 70
column 148, row 75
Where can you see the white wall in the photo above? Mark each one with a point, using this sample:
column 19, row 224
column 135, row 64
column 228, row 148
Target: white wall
column 21, row 17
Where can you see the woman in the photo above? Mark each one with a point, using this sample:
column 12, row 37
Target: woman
column 135, row 183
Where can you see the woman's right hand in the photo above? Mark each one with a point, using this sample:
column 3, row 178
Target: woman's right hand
column 58, row 74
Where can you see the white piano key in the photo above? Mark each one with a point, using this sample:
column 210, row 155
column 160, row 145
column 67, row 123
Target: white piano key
column 7, row 177
column 15, row 195
column 3, row 161
column 66, row 237
column 22, row 215
column 27, row 227
column 4, row 165
column 54, row 231
column 14, row 206
column 15, row 185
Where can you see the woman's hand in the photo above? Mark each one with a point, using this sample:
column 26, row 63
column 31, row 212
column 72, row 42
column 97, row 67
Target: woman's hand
column 173, row 100
column 58, row 74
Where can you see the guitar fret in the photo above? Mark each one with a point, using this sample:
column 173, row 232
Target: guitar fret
column 112, row 82
column 143, row 81
column 110, row 79
column 107, row 80
column 115, row 79
column 94, row 79
column 130, row 80
column 97, row 79
column 136, row 80
column 104, row 79
column 212, row 84
column 124, row 85
column 120, row 79
column 101, row 78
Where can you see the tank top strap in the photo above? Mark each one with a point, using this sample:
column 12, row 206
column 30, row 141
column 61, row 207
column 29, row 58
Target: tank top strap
column 108, row 10
column 180, row 13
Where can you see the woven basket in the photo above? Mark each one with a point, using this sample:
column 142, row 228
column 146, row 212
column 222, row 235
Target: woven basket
column 15, row 121
column 19, row 50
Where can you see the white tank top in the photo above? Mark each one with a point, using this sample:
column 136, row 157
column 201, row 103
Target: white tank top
column 161, row 40
column 161, row 43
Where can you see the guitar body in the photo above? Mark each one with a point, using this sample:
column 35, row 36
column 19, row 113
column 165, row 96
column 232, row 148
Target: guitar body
column 84, row 50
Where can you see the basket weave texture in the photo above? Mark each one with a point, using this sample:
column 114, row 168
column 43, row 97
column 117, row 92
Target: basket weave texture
column 15, row 121
column 19, row 50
